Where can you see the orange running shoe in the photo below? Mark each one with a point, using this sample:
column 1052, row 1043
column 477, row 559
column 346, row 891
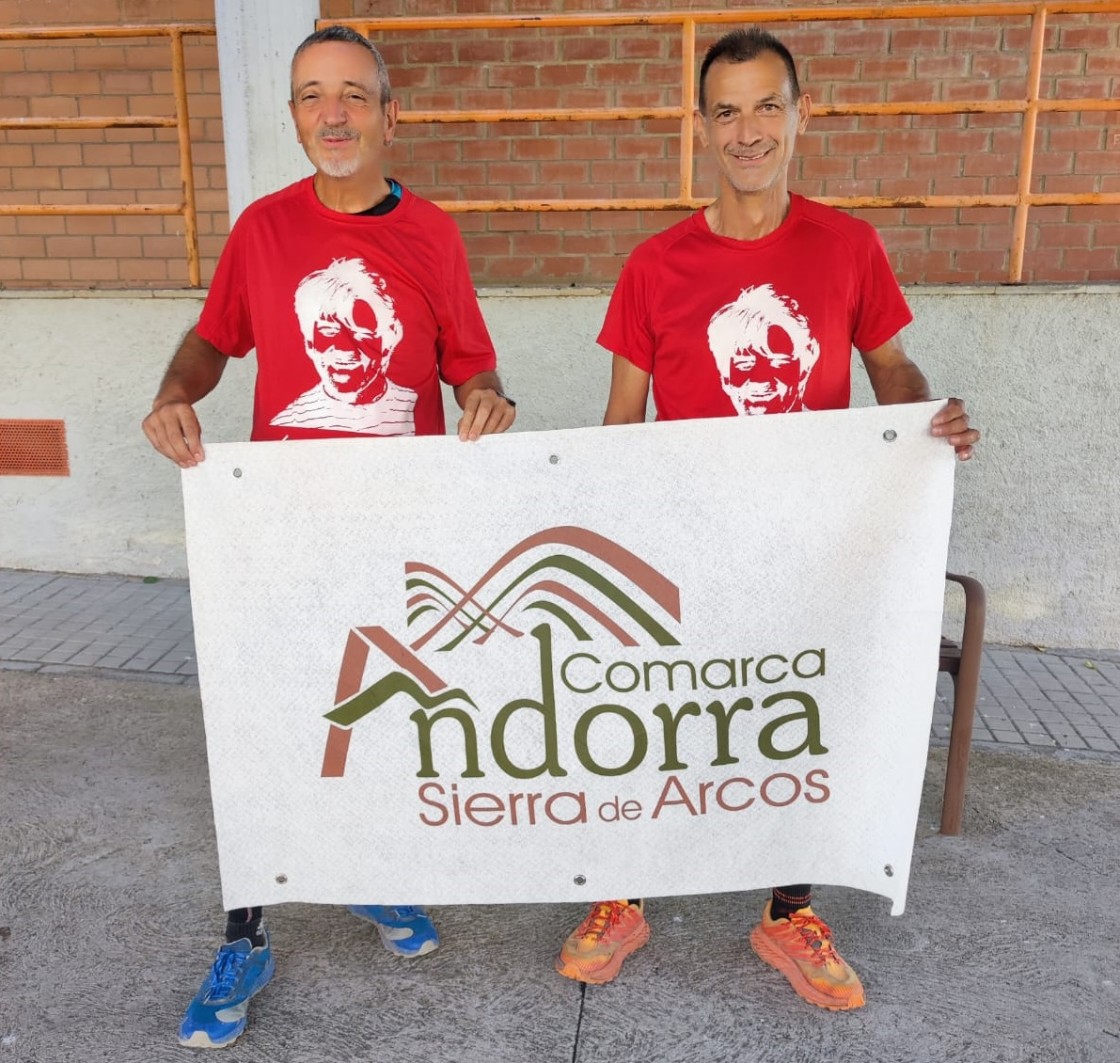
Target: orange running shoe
column 595, row 950
column 801, row 948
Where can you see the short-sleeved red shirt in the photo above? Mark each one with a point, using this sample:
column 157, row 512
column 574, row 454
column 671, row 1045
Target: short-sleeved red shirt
column 355, row 318
column 761, row 326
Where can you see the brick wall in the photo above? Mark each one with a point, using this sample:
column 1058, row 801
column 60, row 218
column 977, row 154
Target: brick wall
column 848, row 62
column 130, row 76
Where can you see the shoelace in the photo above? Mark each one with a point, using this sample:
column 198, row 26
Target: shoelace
column 603, row 916
column 816, row 936
column 223, row 975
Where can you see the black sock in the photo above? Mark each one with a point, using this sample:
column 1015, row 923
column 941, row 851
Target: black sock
column 787, row 899
column 246, row 923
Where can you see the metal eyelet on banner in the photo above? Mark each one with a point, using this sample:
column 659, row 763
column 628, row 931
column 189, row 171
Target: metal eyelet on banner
column 554, row 459
column 888, row 871
column 580, row 880
column 237, row 473
column 890, row 435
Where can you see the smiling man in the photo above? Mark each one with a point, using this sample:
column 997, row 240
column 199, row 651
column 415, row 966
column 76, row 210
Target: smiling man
column 753, row 306
column 357, row 298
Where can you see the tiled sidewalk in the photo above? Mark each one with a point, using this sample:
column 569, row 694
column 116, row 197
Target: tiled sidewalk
column 128, row 626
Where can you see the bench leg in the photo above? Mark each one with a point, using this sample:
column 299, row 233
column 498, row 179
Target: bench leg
column 966, row 684
column 960, row 744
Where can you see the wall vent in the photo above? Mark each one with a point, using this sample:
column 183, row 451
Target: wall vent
column 33, row 448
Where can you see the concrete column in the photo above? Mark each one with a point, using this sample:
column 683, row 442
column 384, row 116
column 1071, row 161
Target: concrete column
column 256, row 39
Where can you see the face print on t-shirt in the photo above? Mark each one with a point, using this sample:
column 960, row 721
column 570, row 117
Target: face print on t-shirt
column 764, row 352
column 350, row 329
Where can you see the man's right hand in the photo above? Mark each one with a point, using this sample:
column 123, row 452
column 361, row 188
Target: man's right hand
column 173, row 429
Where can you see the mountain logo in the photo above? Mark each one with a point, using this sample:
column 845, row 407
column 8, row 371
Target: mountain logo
column 565, row 577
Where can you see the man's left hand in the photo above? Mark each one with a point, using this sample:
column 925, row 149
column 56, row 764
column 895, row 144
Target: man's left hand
column 485, row 411
column 951, row 422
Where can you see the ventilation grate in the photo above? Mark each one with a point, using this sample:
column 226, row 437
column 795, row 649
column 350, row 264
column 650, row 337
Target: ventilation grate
column 33, row 448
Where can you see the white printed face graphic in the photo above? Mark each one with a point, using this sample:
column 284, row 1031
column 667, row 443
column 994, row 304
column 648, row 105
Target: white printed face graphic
column 764, row 352
column 350, row 329
column 349, row 358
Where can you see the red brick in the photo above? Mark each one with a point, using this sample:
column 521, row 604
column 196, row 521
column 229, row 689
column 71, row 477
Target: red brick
column 832, row 68
column 906, row 41
column 909, row 142
column 559, row 173
column 481, row 51
column 586, row 147
column 642, row 44
column 858, row 92
column 1097, row 162
column 868, row 143
column 42, row 56
column 511, row 76
column 640, row 147
column 972, row 40
column 1096, row 64
column 1096, row 38
column 42, row 225
column 868, row 39
column 954, row 238
column 25, row 246
column 540, row 148
column 565, row 74
column 884, row 68
column 46, row 269
column 459, row 76
column 494, row 149
column 530, row 50
column 1074, row 88
column 1102, row 258
column 1055, row 64
column 644, row 97
column 94, row 269
column 885, row 166
column 38, row 178
column 432, row 101
column 588, row 49
column 827, row 166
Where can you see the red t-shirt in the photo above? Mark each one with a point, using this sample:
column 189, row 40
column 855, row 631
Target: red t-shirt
column 754, row 326
column 355, row 318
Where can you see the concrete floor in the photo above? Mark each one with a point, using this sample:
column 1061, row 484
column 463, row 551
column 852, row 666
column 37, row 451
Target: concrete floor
column 110, row 910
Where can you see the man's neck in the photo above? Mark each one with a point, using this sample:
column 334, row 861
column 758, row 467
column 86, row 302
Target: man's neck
column 747, row 215
column 350, row 195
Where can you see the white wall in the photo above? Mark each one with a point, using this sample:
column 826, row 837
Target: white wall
column 1037, row 510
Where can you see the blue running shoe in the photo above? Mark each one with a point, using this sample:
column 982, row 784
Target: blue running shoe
column 217, row 1015
column 405, row 929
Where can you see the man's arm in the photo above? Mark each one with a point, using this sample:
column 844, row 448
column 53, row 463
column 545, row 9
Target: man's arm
column 896, row 379
column 486, row 409
column 172, row 427
column 626, row 403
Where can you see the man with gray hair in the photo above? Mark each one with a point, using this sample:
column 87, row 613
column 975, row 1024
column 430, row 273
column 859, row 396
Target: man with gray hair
column 357, row 298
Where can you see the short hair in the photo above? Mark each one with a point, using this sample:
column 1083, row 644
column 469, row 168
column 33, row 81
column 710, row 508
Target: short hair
column 350, row 36
column 759, row 317
column 334, row 291
column 740, row 46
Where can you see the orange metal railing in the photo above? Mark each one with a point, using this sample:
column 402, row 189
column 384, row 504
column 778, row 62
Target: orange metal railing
column 1030, row 105
column 180, row 120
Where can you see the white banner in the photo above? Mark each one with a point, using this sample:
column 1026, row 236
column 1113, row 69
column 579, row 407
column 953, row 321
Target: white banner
column 613, row 662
